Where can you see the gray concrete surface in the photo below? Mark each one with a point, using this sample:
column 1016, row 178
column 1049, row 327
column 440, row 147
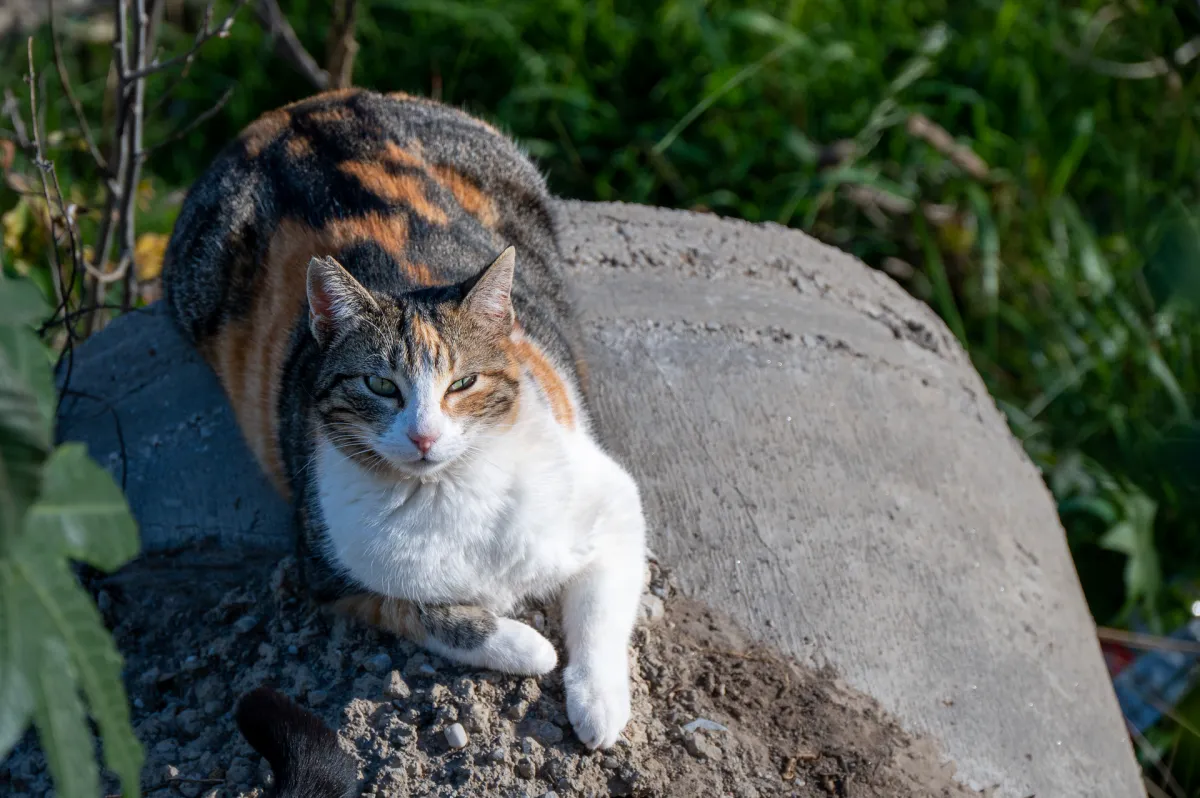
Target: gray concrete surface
column 818, row 460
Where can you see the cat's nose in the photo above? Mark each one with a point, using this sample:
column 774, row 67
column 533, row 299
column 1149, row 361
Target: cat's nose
column 423, row 442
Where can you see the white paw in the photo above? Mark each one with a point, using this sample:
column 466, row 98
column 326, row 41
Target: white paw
column 597, row 702
column 513, row 648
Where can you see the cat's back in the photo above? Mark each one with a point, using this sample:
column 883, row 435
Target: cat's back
column 403, row 191
column 419, row 192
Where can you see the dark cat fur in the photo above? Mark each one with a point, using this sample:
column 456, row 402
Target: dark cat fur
column 303, row 752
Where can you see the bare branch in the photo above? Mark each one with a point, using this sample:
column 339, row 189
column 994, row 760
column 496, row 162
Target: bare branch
column 133, row 153
column 190, row 126
column 207, row 32
column 12, row 110
column 341, row 47
column 43, row 166
column 287, row 43
column 84, row 128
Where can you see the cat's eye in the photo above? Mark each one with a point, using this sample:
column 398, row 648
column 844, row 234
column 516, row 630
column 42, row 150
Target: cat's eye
column 381, row 386
column 461, row 385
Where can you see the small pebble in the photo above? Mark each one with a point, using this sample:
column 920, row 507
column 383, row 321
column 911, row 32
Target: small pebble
column 169, row 772
column 189, row 789
column 425, row 669
column 380, row 663
column 293, row 650
column 551, row 794
column 245, row 624
column 456, row 735
column 702, row 723
column 652, row 608
column 525, row 768
column 498, row 754
column 547, row 733
column 396, row 687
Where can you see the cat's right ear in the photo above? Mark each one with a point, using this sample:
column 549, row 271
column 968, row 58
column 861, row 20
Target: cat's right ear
column 335, row 299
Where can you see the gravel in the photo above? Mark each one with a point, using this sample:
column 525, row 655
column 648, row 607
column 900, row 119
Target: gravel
column 710, row 715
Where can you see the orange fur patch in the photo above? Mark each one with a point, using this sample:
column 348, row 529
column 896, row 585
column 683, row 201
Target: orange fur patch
column 299, row 147
column 325, row 116
column 260, row 133
column 410, row 156
column 394, row 615
column 468, row 195
column 403, row 189
column 547, row 377
column 248, row 354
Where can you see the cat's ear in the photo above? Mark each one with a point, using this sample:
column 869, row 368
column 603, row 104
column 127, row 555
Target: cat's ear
column 335, row 299
column 491, row 296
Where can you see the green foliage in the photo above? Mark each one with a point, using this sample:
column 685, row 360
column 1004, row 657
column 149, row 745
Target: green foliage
column 56, row 505
column 1068, row 264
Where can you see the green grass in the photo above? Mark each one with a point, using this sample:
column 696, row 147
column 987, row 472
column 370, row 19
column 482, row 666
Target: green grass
column 1071, row 272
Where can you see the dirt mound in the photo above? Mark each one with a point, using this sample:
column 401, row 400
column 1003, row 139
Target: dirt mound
column 713, row 715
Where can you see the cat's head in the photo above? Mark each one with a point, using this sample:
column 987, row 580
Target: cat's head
column 411, row 384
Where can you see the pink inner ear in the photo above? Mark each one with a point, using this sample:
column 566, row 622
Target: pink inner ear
column 319, row 303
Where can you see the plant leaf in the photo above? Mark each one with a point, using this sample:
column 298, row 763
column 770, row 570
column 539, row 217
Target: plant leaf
column 16, row 697
column 72, row 621
column 24, row 444
column 62, row 723
column 21, row 303
column 82, row 512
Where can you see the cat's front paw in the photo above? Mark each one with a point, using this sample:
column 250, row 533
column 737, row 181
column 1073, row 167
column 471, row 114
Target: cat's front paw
column 597, row 702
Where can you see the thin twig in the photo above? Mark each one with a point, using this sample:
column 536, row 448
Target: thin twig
column 84, row 128
column 43, row 166
column 341, row 46
column 133, row 154
column 288, row 45
column 12, row 110
column 144, row 70
column 190, row 126
column 1145, row 642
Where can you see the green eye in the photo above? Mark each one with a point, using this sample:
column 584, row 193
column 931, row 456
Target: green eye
column 381, row 386
column 462, row 385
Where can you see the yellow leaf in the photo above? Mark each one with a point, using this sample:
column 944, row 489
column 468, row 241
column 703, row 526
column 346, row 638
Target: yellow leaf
column 14, row 223
column 148, row 255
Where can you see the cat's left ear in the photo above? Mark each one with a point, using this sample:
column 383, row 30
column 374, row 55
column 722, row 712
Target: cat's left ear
column 491, row 296
column 335, row 299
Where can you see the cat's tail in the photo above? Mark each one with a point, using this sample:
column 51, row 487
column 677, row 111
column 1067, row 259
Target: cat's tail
column 303, row 752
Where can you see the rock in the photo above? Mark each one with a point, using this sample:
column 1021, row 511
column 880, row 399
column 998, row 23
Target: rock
column 239, row 771
column 652, row 608
column 189, row 722
column 169, row 772
column 189, row 789
column 245, row 624
column 698, row 746
column 396, row 687
column 425, row 669
column 702, row 723
column 525, row 768
column 380, row 663
column 498, row 755
column 545, row 732
column 456, row 735
column 551, row 794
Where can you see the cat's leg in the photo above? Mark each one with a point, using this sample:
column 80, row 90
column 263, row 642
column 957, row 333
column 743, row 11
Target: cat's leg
column 470, row 635
column 599, row 608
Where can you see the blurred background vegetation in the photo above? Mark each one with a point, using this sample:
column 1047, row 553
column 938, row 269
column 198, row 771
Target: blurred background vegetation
column 1030, row 169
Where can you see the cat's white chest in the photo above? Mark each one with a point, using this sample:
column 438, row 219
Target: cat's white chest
column 497, row 534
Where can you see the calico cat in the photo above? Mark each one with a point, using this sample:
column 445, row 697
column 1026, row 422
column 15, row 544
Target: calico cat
column 376, row 281
column 303, row 752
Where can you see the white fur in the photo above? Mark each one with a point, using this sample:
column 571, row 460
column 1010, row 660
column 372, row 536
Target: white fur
column 492, row 520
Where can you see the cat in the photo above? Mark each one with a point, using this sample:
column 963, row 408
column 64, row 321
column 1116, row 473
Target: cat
column 303, row 752
column 376, row 280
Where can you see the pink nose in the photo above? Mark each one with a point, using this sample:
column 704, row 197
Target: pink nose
column 423, row 442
